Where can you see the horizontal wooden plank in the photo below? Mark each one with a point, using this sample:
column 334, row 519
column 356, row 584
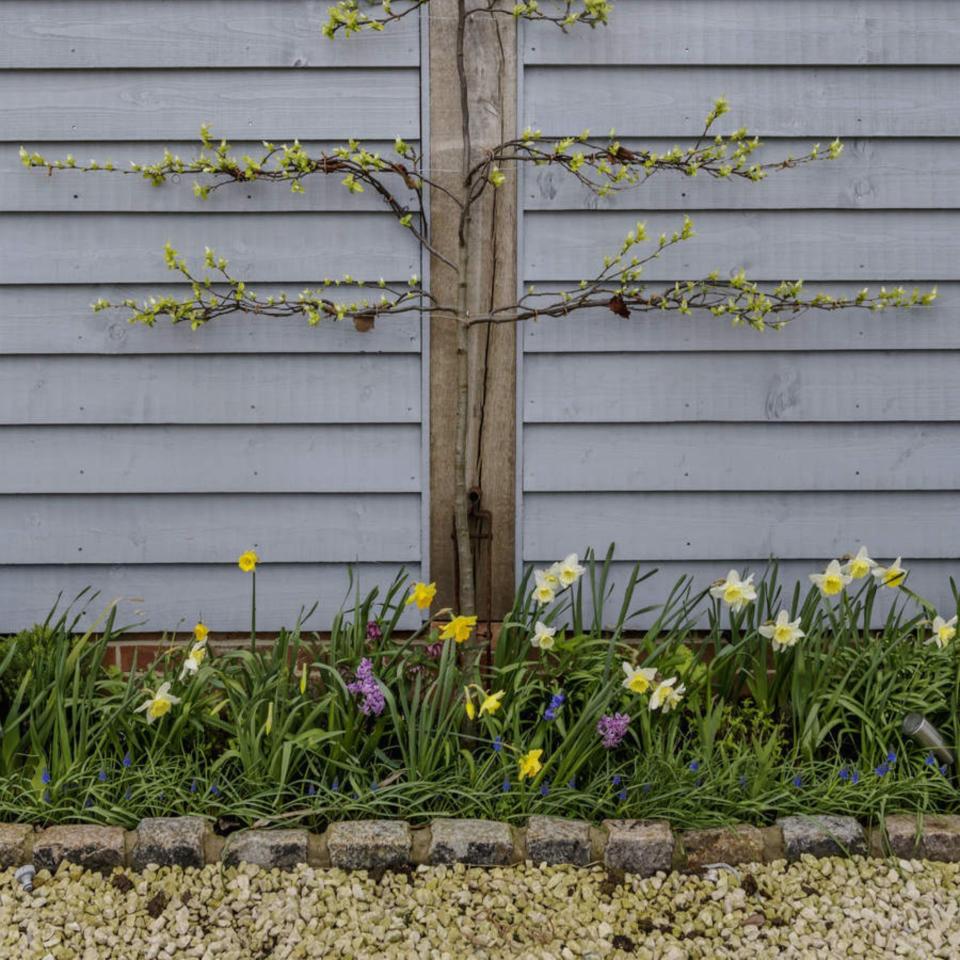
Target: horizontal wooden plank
column 111, row 248
column 740, row 457
column 712, row 526
column 922, row 328
column 798, row 387
column 899, row 245
column 771, row 101
column 869, row 175
column 153, row 104
column 233, row 459
column 757, row 31
column 58, row 319
column 197, row 528
column 184, row 33
column 175, row 596
column 930, row 578
column 218, row 389
column 23, row 190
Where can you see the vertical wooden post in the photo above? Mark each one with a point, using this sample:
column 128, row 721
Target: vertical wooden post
column 491, row 67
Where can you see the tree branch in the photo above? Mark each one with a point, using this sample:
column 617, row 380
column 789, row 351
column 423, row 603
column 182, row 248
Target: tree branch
column 605, row 167
column 359, row 168
column 218, row 293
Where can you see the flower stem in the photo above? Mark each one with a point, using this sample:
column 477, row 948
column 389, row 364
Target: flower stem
column 253, row 612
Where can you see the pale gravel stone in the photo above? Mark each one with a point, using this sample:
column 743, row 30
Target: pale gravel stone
column 470, row 841
column 170, row 842
column 740, row 843
column 808, row 910
column 14, row 844
column 558, row 840
column 284, row 849
column 638, row 846
column 87, row 845
column 369, row 844
column 822, row 836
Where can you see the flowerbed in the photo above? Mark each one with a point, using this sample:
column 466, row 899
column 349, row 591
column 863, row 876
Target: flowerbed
column 738, row 703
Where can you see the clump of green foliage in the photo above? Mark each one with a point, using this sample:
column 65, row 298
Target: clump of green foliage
column 702, row 716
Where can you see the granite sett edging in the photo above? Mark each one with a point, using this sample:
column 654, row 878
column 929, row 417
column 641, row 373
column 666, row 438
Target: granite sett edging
column 643, row 847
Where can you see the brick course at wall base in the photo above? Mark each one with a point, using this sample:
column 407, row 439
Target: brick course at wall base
column 644, row 847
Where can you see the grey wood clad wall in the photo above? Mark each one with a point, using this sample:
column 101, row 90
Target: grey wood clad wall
column 142, row 462
column 697, row 447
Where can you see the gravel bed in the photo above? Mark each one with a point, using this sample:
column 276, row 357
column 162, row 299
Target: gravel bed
column 813, row 908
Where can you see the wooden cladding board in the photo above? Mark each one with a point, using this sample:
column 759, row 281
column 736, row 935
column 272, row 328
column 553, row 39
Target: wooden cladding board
column 238, row 102
column 53, row 248
column 289, row 388
column 782, row 101
column 142, row 461
column 55, row 34
column 177, row 595
column 702, row 457
column 805, row 32
column 898, row 245
column 274, row 458
column 698, row 446
column 158, row 528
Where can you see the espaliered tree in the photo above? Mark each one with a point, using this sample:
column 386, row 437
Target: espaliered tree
column 402, row 181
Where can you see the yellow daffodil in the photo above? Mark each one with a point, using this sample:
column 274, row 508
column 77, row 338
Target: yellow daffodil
column 734, row 592
column 783, row 632
column 943, row 631
column 530, row 764
column 832, row 580
column 459, row 629
column 159, row 704
column 545, row 589
column 638, row 679
column 248, row 561
column 569, row 570
column 303, row 679
column 468, row 704
column 200, row 632
column 666, row 696
column 492, row 702
column 891, row 576
column 422, row 595
column 543, row 636
column 860, row 565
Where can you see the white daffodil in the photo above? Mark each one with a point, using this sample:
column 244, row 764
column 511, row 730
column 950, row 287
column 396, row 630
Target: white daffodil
column 159, row 704
column 638, row 679
column 542, row 636
column 666, row 696
column 859, row 566
column 832, row 580
column 891, row 576
column 943, row 631
column 194, row 658
column 569, row 570
column 734, row 592
column 783, row 632
column 545, row 590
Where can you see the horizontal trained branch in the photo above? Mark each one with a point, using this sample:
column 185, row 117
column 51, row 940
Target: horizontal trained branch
column 284, row 163
column 617, row 287
column 218, row 294
column 605, row 167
